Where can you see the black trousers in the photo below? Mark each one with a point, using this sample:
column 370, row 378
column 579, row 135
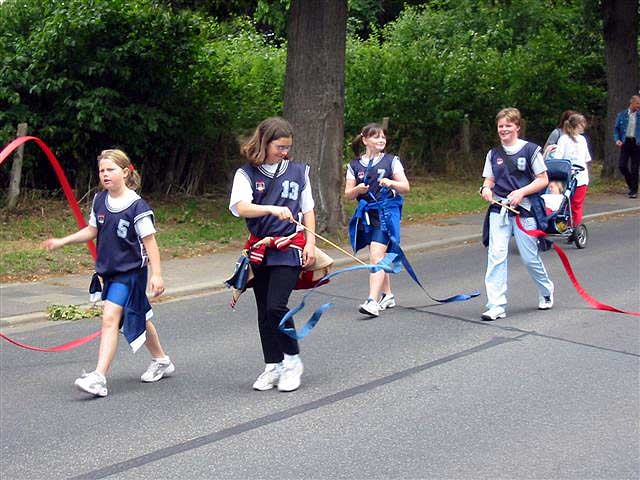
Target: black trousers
column 629, row 163
column 272, row 287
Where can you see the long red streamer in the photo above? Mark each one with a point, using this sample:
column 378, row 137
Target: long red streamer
column 77, row 213
column 60, row 348
column 567, row 266
column 62, row 178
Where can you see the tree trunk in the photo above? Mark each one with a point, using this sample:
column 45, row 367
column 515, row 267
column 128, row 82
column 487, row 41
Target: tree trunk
column 620, row 31
column 314, row 99
column 16, row 170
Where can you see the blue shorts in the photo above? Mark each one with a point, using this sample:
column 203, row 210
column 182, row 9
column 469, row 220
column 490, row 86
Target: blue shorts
column 118, row 293
column 377, row 235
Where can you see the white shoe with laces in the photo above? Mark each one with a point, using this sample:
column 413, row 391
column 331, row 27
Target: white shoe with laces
column 494, row 313
column 93, row 383
column 269, row 378
column 370, row 307
column 387, row 300
column 158, row 369
column 545, row 302
column 290, row 377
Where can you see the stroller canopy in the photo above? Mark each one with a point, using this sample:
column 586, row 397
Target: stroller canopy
column 559, row 169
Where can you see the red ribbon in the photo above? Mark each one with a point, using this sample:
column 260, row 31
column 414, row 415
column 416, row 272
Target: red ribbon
column 73, row 203
column 62, row 178
column 60, row 348
column 567, row 266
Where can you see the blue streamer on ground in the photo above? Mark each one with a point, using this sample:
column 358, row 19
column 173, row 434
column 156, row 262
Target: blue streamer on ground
column 389, row 264
column 455, row 298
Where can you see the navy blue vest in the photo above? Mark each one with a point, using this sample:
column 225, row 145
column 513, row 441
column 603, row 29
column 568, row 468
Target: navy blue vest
column 382, row 169
column 512, row 171
column 120, row 249
column 285, row 192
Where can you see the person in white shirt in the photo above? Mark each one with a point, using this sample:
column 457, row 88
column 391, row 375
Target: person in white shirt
column 573, row 146
column 548, row 151
column 514, row 173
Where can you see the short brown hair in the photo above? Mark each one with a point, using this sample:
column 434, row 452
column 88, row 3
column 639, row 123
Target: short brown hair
column 511, row 114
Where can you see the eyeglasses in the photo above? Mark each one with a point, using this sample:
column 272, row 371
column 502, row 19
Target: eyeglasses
column 283, row 148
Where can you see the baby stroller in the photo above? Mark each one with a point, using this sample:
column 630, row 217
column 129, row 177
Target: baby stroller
column 560, row 221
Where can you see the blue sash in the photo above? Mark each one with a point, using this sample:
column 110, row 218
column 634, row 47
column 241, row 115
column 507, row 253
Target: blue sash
column 389, row 211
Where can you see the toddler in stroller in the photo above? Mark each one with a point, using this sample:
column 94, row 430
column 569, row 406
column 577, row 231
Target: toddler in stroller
column 553, row 197
column 562, row 182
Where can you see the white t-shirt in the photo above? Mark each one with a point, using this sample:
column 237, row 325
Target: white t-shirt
column 631, row 126
column 144, row 226
column 552, row 200
column 241, row 191
column 577, row 152
column 396, row 165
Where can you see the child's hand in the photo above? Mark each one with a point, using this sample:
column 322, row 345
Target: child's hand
column 487, row 194
column 156, row 284
column 283, row 213
column 515, row 197
column 308, row 255
column 52, row 243
column 361, row 189
column 386, row 182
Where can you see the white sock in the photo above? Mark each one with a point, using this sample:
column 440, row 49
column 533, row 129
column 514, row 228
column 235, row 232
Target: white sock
column 271, row 366
column 291, row 359
column 164, row 360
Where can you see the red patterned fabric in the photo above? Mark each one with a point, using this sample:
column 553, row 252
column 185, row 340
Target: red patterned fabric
column 256, row 253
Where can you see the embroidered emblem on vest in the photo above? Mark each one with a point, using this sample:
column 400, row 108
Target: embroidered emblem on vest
column 522, row 163
column 499, row 161
column 101, row 218
column 361, row 174
column 260, row 186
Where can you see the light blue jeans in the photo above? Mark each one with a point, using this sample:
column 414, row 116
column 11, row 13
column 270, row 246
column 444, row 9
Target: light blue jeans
column 501, row 227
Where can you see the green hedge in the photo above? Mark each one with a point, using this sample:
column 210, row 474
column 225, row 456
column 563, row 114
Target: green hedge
column 168, row 87
column 176, row 90
column 435, row 65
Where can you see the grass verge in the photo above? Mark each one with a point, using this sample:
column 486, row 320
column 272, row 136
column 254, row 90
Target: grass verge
column 191, row 226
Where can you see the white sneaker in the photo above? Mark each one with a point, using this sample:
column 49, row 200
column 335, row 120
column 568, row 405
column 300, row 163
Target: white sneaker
column 269, row 378
column 545, row 303
column 370, row 307
column 93, row 383
column 494, row 313
column 157, row 370
column 290, row 377
column 387, row 301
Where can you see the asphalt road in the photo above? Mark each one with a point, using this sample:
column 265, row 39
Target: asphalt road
column 423, row 391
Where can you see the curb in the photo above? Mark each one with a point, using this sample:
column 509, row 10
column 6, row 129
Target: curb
column 202, row 288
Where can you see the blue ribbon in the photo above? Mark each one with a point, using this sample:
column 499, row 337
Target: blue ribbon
column 389, row 264
column 389, row 209
column 454, row 298
column 389, row 215
column 240, row 274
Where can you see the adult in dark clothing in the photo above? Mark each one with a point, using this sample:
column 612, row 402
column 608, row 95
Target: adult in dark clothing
column 626, row 134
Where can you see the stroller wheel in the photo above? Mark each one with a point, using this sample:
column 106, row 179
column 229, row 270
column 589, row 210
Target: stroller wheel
column 580, row 236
